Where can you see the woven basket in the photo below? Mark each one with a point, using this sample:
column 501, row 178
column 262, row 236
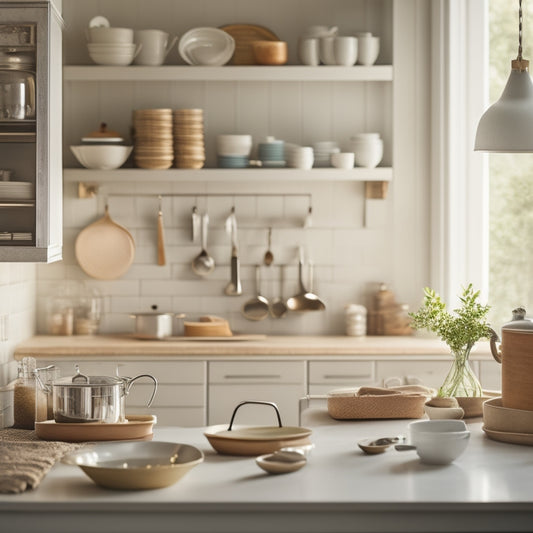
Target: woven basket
column 370, row 402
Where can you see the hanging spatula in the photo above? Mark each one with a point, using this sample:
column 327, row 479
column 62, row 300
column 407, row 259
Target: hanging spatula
column 161, row 259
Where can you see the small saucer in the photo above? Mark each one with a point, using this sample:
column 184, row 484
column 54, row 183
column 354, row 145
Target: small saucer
column 376, row 446
column 281, row 462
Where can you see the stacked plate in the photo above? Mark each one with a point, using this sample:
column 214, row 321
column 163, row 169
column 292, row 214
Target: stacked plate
column 323, row 151
column 16, row 190
column 189, row 146
column 152, row 138
column 271, row 153
column 506, row 424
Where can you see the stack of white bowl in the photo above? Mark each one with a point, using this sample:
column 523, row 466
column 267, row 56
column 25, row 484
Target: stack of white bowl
column 111, row 46
column 367, row 149
column 153, row 140
column 299, row 156
column 323, row 151
column 189, row 146
column 233, row 151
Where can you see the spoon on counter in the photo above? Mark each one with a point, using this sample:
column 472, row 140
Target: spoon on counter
column 203, row 264
column 375, row 446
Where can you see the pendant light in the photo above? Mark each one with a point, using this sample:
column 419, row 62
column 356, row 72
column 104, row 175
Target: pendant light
column 507, row 125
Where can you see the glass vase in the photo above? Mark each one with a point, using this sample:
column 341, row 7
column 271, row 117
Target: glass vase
column 461, row 380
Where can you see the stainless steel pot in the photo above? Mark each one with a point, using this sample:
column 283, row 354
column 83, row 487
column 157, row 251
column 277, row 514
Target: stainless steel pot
column 17, row 86
column 154, row 325
column 84, row 398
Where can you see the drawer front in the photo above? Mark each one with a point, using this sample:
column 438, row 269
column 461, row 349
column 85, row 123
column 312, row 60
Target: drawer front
column 428, row 373
column 236, row 372
column 172, row 416
column 341, row 373
column 166, row 396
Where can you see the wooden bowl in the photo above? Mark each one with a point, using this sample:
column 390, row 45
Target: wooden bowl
column 270, row 52
column 499, row 418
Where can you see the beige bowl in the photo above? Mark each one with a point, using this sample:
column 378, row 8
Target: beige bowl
column 499, row 418
column 472, row 406
column 270, row 52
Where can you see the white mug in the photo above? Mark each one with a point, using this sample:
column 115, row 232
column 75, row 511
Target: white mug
column 345, row 51
column 325, row 50
column 368, row 49
column 308, row 51
column 155, row 47
column 343, row 160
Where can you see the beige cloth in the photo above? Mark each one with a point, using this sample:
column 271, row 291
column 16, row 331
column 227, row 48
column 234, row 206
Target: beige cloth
column 25, row 459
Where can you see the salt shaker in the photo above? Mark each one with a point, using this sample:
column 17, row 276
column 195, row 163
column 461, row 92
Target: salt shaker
column 355, row 316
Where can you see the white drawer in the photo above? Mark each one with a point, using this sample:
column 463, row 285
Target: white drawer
column 167, row 395
column 239, row 372
column 346, row 373
column 429, row 373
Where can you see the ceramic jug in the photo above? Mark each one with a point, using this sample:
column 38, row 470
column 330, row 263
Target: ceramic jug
column 515, row 353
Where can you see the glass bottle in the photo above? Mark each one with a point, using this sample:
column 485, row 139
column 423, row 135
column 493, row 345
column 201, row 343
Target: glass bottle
column 24, row 395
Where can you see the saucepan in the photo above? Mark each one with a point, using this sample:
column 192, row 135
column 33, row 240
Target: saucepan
column 81, row 398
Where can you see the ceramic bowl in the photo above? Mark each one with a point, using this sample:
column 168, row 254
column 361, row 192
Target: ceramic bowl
column 105, row 157
column 496, row 417
column 234, row 145
column 111, row 56
column 102, row 34
column 136, row 465
column 270, row 52
column 438, row 441
column 281, row 461
column 206, row 46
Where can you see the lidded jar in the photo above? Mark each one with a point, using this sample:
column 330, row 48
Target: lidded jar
column 17, row 85
column 24, row 394
column 355, row 316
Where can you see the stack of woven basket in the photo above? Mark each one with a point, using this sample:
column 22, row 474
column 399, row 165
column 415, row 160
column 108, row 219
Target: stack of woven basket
column 189, row 146
column 152, row 138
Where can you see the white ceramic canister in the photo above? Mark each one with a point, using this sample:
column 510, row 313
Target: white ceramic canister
column 355, row 316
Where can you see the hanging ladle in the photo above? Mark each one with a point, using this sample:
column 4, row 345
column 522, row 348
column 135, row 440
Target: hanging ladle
column 203, row 264
column 269, row 256
column 304, row 300
column 278, row 308
column 256, row 308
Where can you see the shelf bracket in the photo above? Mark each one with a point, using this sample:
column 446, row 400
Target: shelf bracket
column 376, row 190
column 87, row 190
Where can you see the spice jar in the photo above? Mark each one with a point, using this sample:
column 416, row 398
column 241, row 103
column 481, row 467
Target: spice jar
column 44, row 405
column 355, row 316
column 24, row 395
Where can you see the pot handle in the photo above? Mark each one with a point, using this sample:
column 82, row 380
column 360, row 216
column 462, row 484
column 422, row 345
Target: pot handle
column 258, row 402
column 129, row 382
column 494, row 346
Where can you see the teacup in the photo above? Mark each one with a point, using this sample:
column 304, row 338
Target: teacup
column 155, row 47
column 326, row 51
column 343, row 160
column 308, row 51
column 345, row 51
column 368, row 49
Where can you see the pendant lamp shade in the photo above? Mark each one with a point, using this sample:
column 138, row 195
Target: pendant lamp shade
column 507, row 125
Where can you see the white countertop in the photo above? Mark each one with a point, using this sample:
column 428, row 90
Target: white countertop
column 489, row 488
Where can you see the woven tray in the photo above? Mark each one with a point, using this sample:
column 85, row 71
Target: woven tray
column 375, row 402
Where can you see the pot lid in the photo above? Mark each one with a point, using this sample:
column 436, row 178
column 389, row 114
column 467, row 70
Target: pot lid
column 17, row 60
column 76, row 381
column 103, row 134
column 519, row 322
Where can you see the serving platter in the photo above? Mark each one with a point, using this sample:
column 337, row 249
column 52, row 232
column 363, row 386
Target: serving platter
column 525, row 439
column 244, row 35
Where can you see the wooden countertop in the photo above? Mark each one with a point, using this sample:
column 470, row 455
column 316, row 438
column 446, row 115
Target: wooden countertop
column 122, row 345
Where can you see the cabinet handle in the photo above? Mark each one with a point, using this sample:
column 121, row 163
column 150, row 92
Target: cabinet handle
column 252, row 376
column 346, row 376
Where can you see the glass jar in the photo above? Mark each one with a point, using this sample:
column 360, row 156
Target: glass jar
column 44, row 408
column 355, row 316
column 24, row 395
column 17, row 86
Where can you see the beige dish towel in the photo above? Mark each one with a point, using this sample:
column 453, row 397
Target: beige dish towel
column 25, row 459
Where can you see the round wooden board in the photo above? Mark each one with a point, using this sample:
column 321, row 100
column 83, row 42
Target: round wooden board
column 244, row 35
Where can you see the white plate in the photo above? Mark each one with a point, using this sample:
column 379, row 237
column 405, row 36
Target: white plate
column 206, row 46
column 16, row 190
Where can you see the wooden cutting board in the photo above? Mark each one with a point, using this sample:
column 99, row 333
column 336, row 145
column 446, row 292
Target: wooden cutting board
column 244, row 35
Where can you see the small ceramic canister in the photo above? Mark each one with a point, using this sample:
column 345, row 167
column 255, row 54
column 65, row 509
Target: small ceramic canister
column 345, row 51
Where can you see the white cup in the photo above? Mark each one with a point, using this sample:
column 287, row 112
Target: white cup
column 345, row 51
column 325, row 50
column 367, row 153
column 343, row 160
column 301, row 157
column 320, row 31
column 368, row 49
column 308, row 51
column 155, row 47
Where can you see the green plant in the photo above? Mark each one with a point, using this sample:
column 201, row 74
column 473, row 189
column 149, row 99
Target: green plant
column 460, row 330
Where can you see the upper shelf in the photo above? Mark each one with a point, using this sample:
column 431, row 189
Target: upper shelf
column 228, row 73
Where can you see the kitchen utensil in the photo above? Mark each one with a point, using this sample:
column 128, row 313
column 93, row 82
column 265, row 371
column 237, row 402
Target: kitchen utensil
column 195, row 224
column 136, row 427
column 82, row 398
column 376, row 446
column 154, row 324
column 101, row 157
column 278, row 308
column 246, row 440
column 136, row 465
column 304, row 300
column 269, row 256
column 161, row 259
column 105, row 249
column 244, row 35
column 437, row 442
column 281, row 462
column 206, row 46
column 234, row 287
column 203, row 264
column 514, row 354
column 17, row 85
column 256, row 308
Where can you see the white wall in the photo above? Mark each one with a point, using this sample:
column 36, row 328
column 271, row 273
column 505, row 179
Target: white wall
column 350, row 259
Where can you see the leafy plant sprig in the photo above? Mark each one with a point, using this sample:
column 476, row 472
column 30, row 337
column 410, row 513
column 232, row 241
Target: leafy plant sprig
column 461, row 329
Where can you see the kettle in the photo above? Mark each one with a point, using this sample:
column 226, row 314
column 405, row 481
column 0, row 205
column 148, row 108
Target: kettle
column 515, row 353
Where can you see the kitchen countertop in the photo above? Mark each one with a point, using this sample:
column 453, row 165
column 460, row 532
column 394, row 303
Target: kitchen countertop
column 341, row 489
column 119, row 345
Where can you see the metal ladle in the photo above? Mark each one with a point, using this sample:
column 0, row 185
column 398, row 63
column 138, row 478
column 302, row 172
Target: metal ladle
column 304, row 300
column 278, row 309
column 256, row 308
column 269, row 256
column 203, row 264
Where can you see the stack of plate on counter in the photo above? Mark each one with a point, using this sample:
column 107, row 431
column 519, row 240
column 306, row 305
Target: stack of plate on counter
column 507, row 424
column 16, row 190
column 189, row 146
column 153, row 140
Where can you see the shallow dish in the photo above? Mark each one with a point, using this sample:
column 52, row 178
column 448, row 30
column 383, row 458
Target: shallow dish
column 206, row 46
column 526, row 439
column 136, row 465
column 101, row 157
column 281, row 462
column 499, row 418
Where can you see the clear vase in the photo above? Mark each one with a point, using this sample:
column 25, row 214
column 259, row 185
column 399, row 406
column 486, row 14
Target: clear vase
column 461, row 380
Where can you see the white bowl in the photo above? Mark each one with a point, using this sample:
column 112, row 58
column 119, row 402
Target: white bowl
column 101, row 34
column 369, row 153
column 206, row 46
column 234, row 145
column 136, row 465
column 105, row 157
column 438, row 442
column 111, row 47
column 115, row 58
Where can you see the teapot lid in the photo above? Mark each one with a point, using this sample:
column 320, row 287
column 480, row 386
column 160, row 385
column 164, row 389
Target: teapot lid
column 519, row 322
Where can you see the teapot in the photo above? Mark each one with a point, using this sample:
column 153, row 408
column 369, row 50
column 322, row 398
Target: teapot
column 515, row 353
